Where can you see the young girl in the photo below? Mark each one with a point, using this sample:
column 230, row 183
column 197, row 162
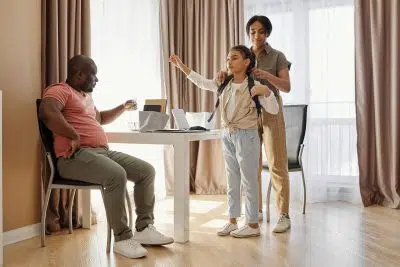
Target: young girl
column 240, row 139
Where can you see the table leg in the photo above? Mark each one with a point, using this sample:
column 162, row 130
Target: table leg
column 181, row 192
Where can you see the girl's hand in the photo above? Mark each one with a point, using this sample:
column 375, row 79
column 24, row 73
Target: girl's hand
column 176, row 61
column 260, row 90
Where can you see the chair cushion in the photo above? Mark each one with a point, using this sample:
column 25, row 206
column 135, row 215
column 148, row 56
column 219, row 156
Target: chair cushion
column 62, row 181
column 291, row 166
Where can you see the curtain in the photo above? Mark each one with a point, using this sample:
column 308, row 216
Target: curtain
column 126, row 48
column 377, row 100
column 201, row 33
column 322, row 76
column 65, row 33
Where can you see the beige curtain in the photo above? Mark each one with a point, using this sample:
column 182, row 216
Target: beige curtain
column 201, row 33
column 65, row 33
column 378, row 100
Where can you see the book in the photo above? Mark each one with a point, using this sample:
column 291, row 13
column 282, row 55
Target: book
column 160, row 102
column 152, row 108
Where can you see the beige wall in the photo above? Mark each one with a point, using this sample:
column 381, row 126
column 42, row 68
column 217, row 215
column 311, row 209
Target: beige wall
column 20, row 42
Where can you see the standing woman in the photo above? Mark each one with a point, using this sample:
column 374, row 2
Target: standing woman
column 272, row 67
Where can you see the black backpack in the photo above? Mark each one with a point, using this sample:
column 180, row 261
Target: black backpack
column 222, row 87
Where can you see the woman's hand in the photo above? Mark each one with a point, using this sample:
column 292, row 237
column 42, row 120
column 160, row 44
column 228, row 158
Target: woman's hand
column 259, row 74
column 221, row 76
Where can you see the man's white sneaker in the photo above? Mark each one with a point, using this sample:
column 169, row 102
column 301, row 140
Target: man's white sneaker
column 260, row 216
column 130, row 248
column 246, row 231
column 226, row 229
column 282, row 225
column 150, row 236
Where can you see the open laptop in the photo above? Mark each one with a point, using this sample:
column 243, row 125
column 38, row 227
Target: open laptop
column 182, row 124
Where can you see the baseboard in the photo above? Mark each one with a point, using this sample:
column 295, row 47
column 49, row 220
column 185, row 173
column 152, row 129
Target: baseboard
column 20, row 234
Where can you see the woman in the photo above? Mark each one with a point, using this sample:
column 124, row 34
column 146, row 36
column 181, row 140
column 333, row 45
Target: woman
column 272, row 67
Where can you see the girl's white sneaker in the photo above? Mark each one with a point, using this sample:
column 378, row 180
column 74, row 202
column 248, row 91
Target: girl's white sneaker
column 246, row 231
column 227, row 229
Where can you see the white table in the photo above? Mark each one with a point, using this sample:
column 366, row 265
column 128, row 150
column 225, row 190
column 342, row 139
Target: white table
column 180, row 142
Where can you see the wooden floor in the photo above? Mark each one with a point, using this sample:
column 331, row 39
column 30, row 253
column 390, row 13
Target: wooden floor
column 334, row 234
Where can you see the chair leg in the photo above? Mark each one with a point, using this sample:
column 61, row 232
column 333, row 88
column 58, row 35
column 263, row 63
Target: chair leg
column 268, row 200
column 304, row 191
column 108, row 228
column 129, row 209
column 71, row 204
column 44, row 213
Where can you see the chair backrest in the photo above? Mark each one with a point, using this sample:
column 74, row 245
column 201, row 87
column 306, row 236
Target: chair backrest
column 295, row 121
column 46, row 135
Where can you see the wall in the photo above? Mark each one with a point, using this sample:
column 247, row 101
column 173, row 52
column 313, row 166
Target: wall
column 20, row 64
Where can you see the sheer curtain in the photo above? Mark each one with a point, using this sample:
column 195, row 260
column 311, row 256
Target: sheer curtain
column 317, row 36
column 126, row 49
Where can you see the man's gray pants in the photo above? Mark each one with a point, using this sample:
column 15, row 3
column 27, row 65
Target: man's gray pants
column 112, row 170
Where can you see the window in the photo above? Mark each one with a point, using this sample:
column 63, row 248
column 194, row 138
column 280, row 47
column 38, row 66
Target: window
column 125, row 46
column 317, row 36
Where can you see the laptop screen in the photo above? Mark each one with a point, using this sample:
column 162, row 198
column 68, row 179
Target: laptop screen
column 180, row 118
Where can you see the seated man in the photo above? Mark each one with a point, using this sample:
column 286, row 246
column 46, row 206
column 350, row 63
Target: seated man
column 81, row 147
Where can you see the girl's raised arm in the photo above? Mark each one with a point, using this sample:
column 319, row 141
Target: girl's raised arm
column 193, row 76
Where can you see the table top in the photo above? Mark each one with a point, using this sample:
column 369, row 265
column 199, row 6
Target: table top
column 136, row 137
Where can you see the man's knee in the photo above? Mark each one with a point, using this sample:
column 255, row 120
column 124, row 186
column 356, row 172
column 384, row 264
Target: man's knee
column 146, row 173
column 149, row 171
column 117, row 177
column 142, row 172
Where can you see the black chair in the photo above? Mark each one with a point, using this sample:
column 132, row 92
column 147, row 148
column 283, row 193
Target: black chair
column 58, row 182
column 295, row 125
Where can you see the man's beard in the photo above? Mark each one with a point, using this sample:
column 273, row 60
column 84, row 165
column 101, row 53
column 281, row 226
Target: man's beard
column 88, row 87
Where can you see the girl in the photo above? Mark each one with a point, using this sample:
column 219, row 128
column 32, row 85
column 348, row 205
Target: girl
column 241, row 141
column 272, row 67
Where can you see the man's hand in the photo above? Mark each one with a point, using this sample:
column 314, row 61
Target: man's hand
column 75, row 144
column 130, row 105
column 259, row 74
column 260, row 90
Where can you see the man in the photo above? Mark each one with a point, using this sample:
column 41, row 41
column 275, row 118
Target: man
column 81, row 147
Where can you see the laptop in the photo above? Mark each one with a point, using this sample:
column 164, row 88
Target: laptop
column 182, row 124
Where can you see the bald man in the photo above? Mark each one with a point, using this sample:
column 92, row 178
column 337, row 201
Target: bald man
column 81, row 148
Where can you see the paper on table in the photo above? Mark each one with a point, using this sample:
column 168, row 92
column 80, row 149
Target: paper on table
column 150, row 120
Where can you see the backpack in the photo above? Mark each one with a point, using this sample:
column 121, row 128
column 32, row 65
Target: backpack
column 221, row 89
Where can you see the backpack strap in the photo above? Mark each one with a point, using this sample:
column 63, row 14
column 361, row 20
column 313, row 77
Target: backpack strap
column 258, row 107
column 255, row 98
column 215, row 109
column 219, row 93
column 221, row 89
